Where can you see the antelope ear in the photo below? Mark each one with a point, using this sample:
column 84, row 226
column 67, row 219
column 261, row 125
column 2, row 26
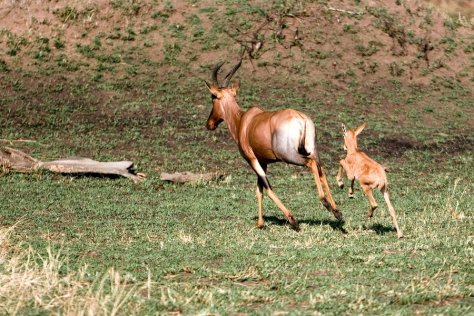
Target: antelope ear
column 235, row 87
column 344, row 129
column 214, row 90
column 360, row 128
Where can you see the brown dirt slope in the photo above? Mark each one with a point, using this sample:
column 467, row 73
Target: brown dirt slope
column 337, row 40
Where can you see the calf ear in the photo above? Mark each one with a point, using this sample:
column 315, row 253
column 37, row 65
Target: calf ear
column 360, row 128
column 214, row 90
column 344, row 129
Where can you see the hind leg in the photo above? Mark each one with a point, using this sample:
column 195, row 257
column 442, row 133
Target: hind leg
column 392, row 212
column 260, row 223
column 340, row 174
column 322, row 186
column 370, row 197
column 351, row 189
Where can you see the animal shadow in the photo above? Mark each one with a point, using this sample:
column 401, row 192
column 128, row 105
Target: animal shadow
column 380, row 229
column 335, row 224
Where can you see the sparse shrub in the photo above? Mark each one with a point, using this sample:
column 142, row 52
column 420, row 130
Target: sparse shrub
column 395, row 69
column 171, row 52
column 70, row 14
column 58, row 44
column 162, row 16
column 130, row 36
column 193, row 20
column 318, row 54
column 451, row 23
column 469, row 47
column 43, row 49
column 64, row 62
column 388, row 24
column 373, row 66
column 177, row 30
column 14, row 44
column 450, row 44
column 370, row 49
column 101, row 67
column 3, row 66
column 66, row 14
column 148, row 43
column 427, row 19
column 149, row 28
column 89, row 51
column 109, row 58
column 351, row 29
column 85, row 50
column 115, row 34
column 128, row 7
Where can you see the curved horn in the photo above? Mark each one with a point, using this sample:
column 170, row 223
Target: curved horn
column 230, row 74
column 215, row 69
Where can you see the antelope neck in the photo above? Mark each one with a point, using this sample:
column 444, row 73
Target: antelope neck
column 232, row 115
column 352, row 148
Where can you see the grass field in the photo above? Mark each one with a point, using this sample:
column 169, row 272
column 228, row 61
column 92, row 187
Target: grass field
column 96, row 245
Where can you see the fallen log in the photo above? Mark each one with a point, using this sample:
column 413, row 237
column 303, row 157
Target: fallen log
column 13, row 159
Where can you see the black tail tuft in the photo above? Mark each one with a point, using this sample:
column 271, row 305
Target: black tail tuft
column 301, row 148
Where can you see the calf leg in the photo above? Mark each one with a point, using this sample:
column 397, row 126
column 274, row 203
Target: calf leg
column 340, row 174
column 392, row 212
column 351, row 189
column 370, row 196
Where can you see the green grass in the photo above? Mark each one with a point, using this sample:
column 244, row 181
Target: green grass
column 199, row 242
column 100, row 245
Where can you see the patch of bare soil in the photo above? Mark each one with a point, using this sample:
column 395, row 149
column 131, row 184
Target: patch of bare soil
column 339, row 41
column 396, row 145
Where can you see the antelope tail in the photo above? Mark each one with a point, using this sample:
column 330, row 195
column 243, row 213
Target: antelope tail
column 302, row 150
column 307, row 145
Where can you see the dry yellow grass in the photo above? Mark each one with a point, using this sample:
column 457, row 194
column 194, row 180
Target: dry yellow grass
column 32, row 281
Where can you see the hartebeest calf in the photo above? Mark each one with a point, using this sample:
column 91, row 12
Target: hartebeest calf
column 267, row 137
column 371, row 175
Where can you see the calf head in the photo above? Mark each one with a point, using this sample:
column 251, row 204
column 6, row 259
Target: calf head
column 350, row 137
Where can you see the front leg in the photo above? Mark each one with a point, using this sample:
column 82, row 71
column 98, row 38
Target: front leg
column 260, row 171
column 340, row 174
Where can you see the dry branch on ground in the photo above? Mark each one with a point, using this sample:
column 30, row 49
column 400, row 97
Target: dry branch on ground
column 13, row 159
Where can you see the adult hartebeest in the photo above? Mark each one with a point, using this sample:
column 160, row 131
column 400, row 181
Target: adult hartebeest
column 371, row 175
column 266, row 137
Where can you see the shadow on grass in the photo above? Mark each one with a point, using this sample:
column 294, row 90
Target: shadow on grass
column 380, row 229
column 335, row 224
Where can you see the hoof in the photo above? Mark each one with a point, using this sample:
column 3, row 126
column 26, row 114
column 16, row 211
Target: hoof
column 294, row 224
column 260, row 225
column 337, row 214
column 351, row 195
column 399, row 235
column 340, row 185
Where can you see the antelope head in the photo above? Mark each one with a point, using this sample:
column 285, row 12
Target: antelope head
column 350, row 137
column 220, row 91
